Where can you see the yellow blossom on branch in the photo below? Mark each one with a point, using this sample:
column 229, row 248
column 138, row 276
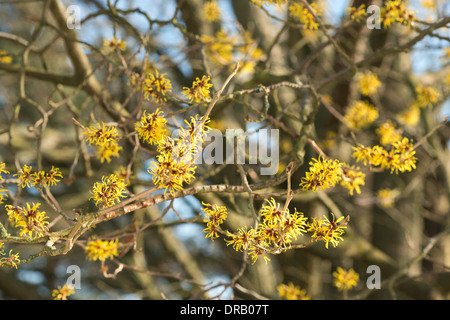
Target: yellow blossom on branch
column 388, row 133
column 357, row 14
column 426, row 96
column 345, row 279
column 152, row 127
column 61, row 293
column 292, row 292
column 211, row 11
column 2, row 189
column 268, row 2
column 368, row 83
column 305, row 16
column 24, row 176
column 29, row 219
column 360, row 115
column 5, row 57
column 399, row 158
column 109, row 191
column 214, row 216
column 105, row 139
column 322, row 174
column 219, row 48
column 9, row 261
column 352, row 179
column 326, row 230
column 102, row 249
column 199, row 90
column 109, row 46
column 156, row 87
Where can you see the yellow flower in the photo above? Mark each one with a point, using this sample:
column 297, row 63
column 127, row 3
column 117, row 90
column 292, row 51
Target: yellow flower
column 426, row 96
column 322, row 174
column 386, row 197
column 24, row 175
column 199, row 90
column 292, row 292
column 268, row 2
column 211, row 11
column 345, row 279
column 368, row 83
column 61, row 293
column 30, row 219
column 219, row 48
column 360, row 115
column 428, row 4
column 10, row 261
column 5, row 57
column 399, row 158
column 105, row 139
column 112, row 45
column 156, row 87
column 352, row 179
column 102, row 249
column 395, row 11
column 241, row 240
column 301, row 13
column 326, row 230
column 2, row 189
column 109, row 191
column 357, row 14
column 152, row 127
column 410, row 116
column 174, row 165
column 388, row 133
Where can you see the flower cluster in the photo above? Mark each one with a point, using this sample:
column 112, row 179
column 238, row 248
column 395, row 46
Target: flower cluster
column 102, row 249
column 352, row 178
column 41, row 179
column 326, row 173
column 110, row 46
column 426, row 96
column 152, row 127
column 156, row 87
column 386, row 197
column 323, row 174
column 219, row 48
column 9, row 261
column 267, row 2
column 345, row 279
column 214, row 216
column 105, row 140
column 368, row 83
column 29, row 219
column 199, row 90
column 356, row 14
column 304, row 15
column 61, row 293
column 2, row 189
column 399, row 158
column 409, row 116
column 277, row 229
column 109, row 190
column 211, row 11
column 394, row 11
column 388, row 133
column 325, row 230
column 174, row 163
column 5, row 57
column 292, row 292
column 360, row 115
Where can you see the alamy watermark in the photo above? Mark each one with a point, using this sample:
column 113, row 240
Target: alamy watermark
column 74, row 17
column 236, row 146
